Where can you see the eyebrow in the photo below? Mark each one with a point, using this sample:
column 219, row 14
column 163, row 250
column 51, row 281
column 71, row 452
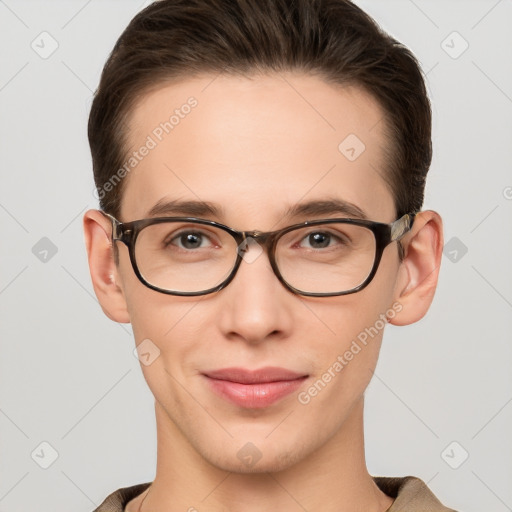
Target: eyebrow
column 186, row 208
column 324, row 207
column 314, row 208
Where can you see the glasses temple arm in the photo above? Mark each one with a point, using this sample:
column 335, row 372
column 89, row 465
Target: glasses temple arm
column 401, row 226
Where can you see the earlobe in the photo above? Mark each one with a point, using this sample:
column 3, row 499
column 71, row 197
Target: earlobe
column 104, row 273
column 419, row 271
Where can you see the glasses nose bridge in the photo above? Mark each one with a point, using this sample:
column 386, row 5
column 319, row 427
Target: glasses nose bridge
column 263, row 238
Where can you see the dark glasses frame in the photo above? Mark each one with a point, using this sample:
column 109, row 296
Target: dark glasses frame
column 127, row 233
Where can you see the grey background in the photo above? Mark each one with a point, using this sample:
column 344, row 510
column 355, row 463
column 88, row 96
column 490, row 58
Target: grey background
column 68, row 374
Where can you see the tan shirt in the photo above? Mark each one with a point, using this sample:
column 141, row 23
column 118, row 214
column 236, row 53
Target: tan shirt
column 410, row 493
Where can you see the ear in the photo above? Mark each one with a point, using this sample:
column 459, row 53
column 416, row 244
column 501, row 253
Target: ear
column 419, row 270
column 104, row 272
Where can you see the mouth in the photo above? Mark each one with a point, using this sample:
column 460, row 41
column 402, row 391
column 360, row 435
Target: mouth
column 254, row 389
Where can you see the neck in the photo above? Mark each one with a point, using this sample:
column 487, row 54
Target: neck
column 332, row 478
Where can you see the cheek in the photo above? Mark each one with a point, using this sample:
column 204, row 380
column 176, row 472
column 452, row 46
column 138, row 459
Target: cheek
column 167, row 329
column 172, row 323
column 346, row 318
column 346, row 333
column 352, row 336
column 345, row 359
column 165, row 326
column 152, row 314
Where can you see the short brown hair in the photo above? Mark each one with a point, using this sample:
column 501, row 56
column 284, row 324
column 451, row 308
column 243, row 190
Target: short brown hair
column 333, row 39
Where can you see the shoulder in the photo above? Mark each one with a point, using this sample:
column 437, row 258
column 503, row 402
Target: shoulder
column 411, row 494
column 116, row 501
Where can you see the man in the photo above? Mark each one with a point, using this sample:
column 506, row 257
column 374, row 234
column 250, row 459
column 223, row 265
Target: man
column 214, row 124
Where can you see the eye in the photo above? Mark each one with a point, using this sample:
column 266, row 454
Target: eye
column 188, row 240
column 324, row 239
column 318, row 240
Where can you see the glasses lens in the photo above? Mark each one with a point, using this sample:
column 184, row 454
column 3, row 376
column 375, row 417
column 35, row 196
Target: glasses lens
column 326, row 258
column 185, row 256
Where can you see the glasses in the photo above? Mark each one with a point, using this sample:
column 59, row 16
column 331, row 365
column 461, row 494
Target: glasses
column 320, row 258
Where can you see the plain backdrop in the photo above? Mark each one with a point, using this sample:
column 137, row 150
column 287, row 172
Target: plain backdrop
column 76, row 416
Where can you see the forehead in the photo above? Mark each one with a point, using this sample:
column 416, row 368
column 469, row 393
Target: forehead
column 256, row 146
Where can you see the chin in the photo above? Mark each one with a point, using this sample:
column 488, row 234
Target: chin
column 249, row 459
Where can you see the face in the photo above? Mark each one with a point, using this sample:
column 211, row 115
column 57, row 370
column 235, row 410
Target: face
column 255, row 147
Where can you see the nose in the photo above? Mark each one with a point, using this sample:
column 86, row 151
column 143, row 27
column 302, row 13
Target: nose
column 255, row 305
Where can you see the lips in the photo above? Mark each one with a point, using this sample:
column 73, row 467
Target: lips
column 254, row 388
column 243, row 376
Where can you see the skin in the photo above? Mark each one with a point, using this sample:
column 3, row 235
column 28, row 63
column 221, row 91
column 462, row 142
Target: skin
column 256, row 146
